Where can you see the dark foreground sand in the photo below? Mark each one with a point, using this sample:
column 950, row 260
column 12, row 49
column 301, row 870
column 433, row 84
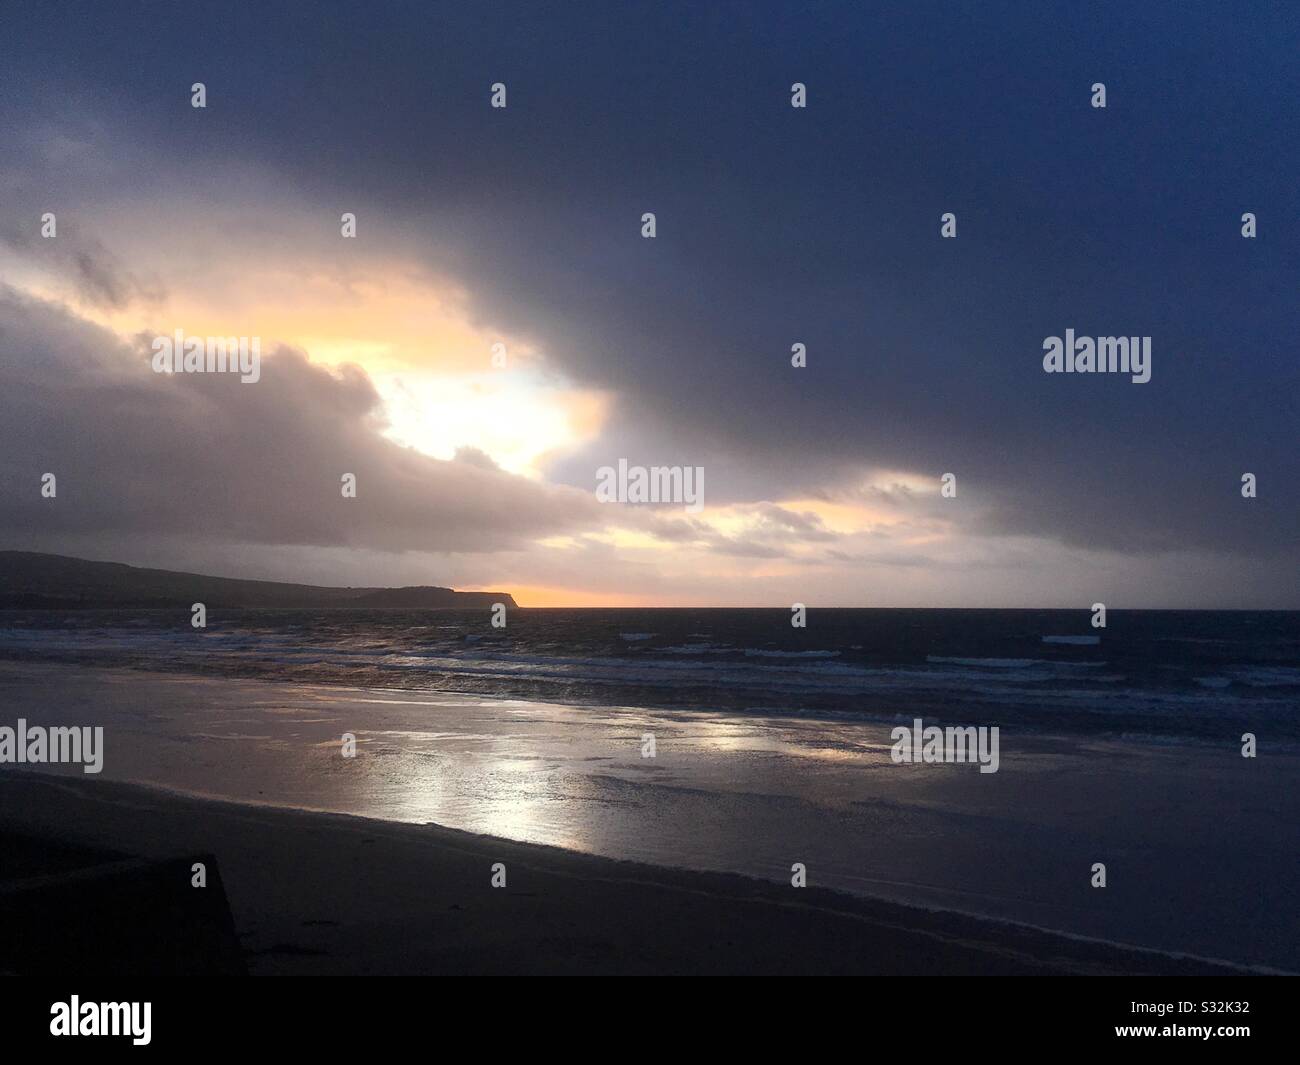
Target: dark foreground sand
column 319, row 893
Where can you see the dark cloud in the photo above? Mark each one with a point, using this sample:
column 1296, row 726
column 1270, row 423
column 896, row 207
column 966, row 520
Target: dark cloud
column 213, row 459
column 820, row 226
column 765, row 530
column 92, row 272
column 473, row 456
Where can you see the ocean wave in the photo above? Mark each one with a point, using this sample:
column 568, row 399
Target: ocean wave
column 752, row 652
column 1139, row 689
column 1266, row 676
column 1010, row 663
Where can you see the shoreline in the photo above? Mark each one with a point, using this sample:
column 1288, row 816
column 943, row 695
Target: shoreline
column 871, row 718
column 728, row 795
column 430, row 871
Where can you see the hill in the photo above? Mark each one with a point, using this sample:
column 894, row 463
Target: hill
column 34, row 580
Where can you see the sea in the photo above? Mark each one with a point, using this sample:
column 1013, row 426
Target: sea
column 1148, row 675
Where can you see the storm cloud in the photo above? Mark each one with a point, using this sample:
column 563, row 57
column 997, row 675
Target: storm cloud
column 208, row 458
column 775, row 226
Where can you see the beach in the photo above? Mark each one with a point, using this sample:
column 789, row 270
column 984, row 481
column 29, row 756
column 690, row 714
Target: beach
column 616, row 862
column 329, row 894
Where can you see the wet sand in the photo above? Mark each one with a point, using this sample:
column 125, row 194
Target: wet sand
column 1199, row 843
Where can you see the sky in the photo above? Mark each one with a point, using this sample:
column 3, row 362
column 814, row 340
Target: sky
column 522, row 226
